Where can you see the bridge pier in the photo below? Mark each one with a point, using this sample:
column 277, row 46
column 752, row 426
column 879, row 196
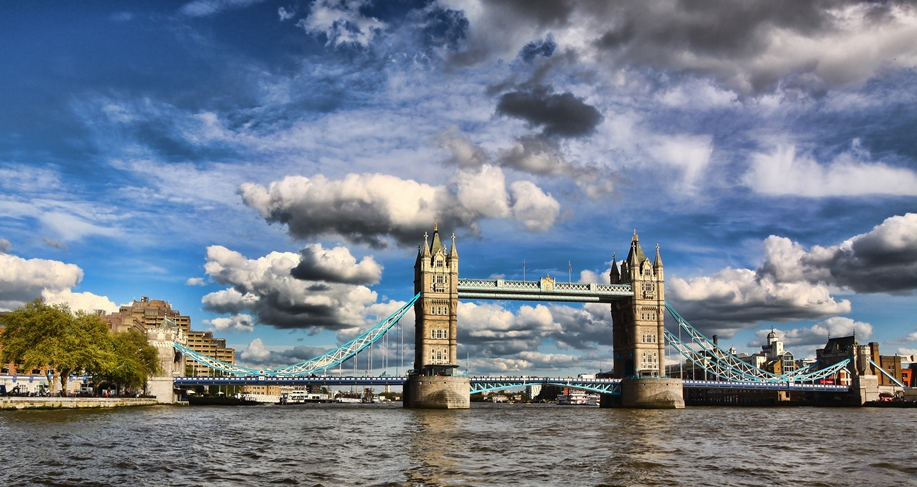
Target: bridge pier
column 647, row 393
column 437, row 392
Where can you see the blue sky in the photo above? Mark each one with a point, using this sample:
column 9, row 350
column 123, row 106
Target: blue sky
column 269, row 168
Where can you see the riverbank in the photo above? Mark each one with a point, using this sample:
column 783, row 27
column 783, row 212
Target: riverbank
column 73, row 402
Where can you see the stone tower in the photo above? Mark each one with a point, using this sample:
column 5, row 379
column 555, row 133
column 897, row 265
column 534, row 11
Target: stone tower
column 436, row 278
column 433, row 383
column 638, row 328
column 639, row 322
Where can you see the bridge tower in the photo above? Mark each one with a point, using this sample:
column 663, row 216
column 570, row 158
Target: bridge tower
column 638, row 325
column 433, row 382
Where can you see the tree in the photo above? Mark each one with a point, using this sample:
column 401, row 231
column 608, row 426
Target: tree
column 35, row 335
column 50, row 336
column 133, row 360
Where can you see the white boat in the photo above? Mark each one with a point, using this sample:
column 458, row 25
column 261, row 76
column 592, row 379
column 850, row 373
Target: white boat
column 302, row 397
column 348, row 399
column 578, row 398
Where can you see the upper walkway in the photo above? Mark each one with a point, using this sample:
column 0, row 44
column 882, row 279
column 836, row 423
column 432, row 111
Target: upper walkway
column 545, row 289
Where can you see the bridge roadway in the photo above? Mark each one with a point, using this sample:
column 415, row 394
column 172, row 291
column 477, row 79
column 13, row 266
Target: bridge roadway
column 490, row 383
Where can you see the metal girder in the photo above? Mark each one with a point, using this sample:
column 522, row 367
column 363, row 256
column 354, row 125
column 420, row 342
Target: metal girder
column 601, row 386
column 886, row 374
column 339, row 355
column 214, row 363
column 307, row 367
column 727, row 366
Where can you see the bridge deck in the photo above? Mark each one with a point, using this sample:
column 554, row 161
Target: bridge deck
column 489, row 383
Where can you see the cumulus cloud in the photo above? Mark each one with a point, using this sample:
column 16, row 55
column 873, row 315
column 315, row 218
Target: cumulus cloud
column 195, row 281
column 368, row 208
column 5, row 246
column 238, row 322
column 784, row 172
column 733, row 299
column 818, row 334
column 883, row 260
column 794, row 283
column 341, row 22
column 83, row 301
column 335, row 265
column 255, row 351
column 266, row 288
column 22, row 280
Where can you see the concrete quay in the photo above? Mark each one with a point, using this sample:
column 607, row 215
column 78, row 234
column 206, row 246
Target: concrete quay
column 73, row 402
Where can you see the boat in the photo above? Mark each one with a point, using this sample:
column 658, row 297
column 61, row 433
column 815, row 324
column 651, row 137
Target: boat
column 577, row 398
column 302, row 397
column 221, row 401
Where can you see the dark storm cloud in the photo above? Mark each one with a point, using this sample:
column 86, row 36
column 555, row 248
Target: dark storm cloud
column 795, row 283
column 751, row 47
column 883, row 260
column 562, row 115
column 266, row 288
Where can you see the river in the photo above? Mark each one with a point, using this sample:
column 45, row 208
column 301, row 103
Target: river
column 492, row 445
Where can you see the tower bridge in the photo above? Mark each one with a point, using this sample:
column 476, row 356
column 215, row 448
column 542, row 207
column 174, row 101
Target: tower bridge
column 635, row 292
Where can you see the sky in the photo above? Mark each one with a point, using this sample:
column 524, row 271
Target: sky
column 270, row 168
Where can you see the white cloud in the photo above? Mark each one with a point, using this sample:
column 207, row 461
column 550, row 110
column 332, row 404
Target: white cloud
column 239, row 322
column 342, row 22
column 255, row 351
column 84, row 301
column 818, row 334
column 537, row 210
column 204, row 8
column 783, row 172
column 734, row 299
column 366, row 208
column 336, row 265
column 22, row 280
column 690, row 154
column 195, row 281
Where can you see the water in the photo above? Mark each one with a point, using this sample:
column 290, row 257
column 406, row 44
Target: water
column 492, row 445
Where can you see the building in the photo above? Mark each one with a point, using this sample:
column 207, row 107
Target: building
column 155, row 315
column 144, row 315
column 205, row 343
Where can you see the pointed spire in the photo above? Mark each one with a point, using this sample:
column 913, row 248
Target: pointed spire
column 615, row 276
column 453, row 252
column 426, row 244
column 636, row 256
column 657, row 262
column 437, row 245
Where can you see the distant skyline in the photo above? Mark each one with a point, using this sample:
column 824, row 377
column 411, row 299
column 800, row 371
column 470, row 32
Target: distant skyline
column 269, row 168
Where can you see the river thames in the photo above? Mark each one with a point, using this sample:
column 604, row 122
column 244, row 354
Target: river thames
column 492, row 445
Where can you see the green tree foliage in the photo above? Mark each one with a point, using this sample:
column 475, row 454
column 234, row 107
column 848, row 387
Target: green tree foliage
column 134, row 360
column 42, row 335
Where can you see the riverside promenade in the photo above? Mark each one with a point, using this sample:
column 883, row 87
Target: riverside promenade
column 73, row 402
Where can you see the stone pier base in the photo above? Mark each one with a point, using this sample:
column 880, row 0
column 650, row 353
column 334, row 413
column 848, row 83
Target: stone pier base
column 650, row 393
column 437, row 392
